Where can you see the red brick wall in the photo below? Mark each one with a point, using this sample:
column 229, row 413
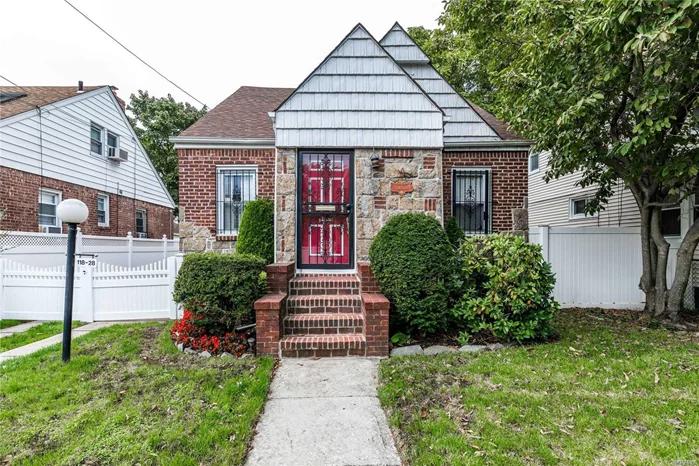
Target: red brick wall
column 198, row 179
column 509, row 181
column 19, row 199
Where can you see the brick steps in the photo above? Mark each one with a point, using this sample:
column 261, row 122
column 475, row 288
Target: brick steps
column 322, row 346
column 323, row 324
column 324, row 304
column 321, row 315
column 306, row 285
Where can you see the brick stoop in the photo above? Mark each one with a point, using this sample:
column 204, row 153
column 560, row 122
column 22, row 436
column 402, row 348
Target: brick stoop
column 322, row 315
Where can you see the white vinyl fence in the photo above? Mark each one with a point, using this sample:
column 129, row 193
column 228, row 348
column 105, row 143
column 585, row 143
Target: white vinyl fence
column 49, row 250
column 597, row 266
column 103, row 292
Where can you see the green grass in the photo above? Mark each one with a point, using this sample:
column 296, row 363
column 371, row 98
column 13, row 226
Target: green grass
column 10, row 323
column 610, row 391
column 41, row 331
column 129, row 397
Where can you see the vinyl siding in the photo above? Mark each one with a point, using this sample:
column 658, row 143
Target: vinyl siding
column 549, row 203
column 359, row 97
column 57, row 145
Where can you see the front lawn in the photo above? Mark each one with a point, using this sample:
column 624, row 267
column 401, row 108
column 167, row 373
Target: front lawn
column 129, row 397
column 609, row 391
column 41, row 331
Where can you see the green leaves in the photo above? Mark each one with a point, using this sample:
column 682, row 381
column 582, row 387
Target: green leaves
column 256, row 235
column 221, row 288
column 507, row 287
column 413, row 262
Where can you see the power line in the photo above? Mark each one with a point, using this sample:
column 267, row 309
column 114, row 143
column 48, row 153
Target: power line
column 132, row 53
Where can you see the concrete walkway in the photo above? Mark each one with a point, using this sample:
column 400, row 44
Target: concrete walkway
column 37, row 345
column 6, row 332
column 324, row 412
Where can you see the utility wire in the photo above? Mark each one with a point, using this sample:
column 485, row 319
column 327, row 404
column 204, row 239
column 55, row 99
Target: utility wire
column 132, row 53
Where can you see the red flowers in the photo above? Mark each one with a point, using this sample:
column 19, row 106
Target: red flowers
column 191, row 335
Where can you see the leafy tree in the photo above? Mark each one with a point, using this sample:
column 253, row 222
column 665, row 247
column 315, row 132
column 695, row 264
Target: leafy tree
column 610, row 89
column 155, row 120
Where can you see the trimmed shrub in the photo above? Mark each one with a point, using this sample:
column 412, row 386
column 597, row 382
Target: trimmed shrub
column 454, row 232
column 508, row 288
column 256, row 232
column 220, row 289
column 412, row 261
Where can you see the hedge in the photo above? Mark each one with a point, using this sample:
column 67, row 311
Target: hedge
column 256, row 232
column 220, row 289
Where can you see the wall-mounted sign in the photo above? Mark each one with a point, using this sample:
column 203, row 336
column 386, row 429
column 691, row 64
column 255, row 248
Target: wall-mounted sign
column 401, row 187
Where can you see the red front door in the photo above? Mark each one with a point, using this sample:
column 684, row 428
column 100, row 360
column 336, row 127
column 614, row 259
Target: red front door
column 325, row 205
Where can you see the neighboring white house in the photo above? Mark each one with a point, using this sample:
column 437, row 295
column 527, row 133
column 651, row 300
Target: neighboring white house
column 597, row 258
column 59, row 142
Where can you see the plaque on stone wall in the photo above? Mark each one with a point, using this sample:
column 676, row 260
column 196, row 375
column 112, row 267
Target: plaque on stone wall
column 402, row 187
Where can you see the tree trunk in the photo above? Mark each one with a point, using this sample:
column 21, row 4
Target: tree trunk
column 683, row 269
column 663, row 251
column 648, row 249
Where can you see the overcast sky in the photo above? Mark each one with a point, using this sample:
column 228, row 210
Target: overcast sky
column 208, row 47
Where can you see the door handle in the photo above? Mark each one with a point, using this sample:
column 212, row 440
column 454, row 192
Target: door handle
column 348, row 208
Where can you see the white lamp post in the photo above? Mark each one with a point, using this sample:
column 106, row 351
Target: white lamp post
column 72, row 212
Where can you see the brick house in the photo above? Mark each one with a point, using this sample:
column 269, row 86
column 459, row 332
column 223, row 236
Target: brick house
column 372, row 132
column 60, row 142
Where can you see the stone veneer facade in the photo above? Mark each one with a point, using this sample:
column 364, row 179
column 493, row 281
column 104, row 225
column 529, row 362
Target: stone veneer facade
column 376, row 199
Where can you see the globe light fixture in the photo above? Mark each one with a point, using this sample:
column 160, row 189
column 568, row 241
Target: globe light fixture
column 71, row 212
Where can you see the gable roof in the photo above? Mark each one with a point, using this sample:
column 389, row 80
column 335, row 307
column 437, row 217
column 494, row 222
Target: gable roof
column 37, row 96
column 244, row 115
column 464, row 124
column 500, row 127
column 359, row 96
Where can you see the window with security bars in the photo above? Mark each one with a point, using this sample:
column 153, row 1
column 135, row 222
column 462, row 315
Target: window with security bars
column 235, row 187
column 471, row 200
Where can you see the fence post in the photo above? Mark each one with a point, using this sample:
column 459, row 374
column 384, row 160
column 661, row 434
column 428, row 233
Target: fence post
column 171, row 275
column 2, row 287
column 79, row 242
column 129, row 237
column 164, row 247
column 86, row 311
column 544, row 234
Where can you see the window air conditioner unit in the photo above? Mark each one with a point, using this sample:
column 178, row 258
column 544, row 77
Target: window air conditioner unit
column 47, row 229
column 141, row 235
column 117, row 155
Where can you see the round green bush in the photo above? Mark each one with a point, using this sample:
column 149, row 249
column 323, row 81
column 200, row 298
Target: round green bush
column 454, row 232
column 412, row 260
column 508, row 288
column 256, row 232
column 221, row 289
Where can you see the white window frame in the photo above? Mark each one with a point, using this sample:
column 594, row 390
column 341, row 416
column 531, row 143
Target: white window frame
column 59, row 195
column 145, row 223
column 219, row 194
column 102, row 141
column 106, row 210
column 538, row 162
column 571, row 212
column 106, row 143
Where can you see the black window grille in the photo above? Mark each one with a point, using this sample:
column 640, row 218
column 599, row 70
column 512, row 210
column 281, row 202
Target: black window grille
column 235, row 187
column 471, row 200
